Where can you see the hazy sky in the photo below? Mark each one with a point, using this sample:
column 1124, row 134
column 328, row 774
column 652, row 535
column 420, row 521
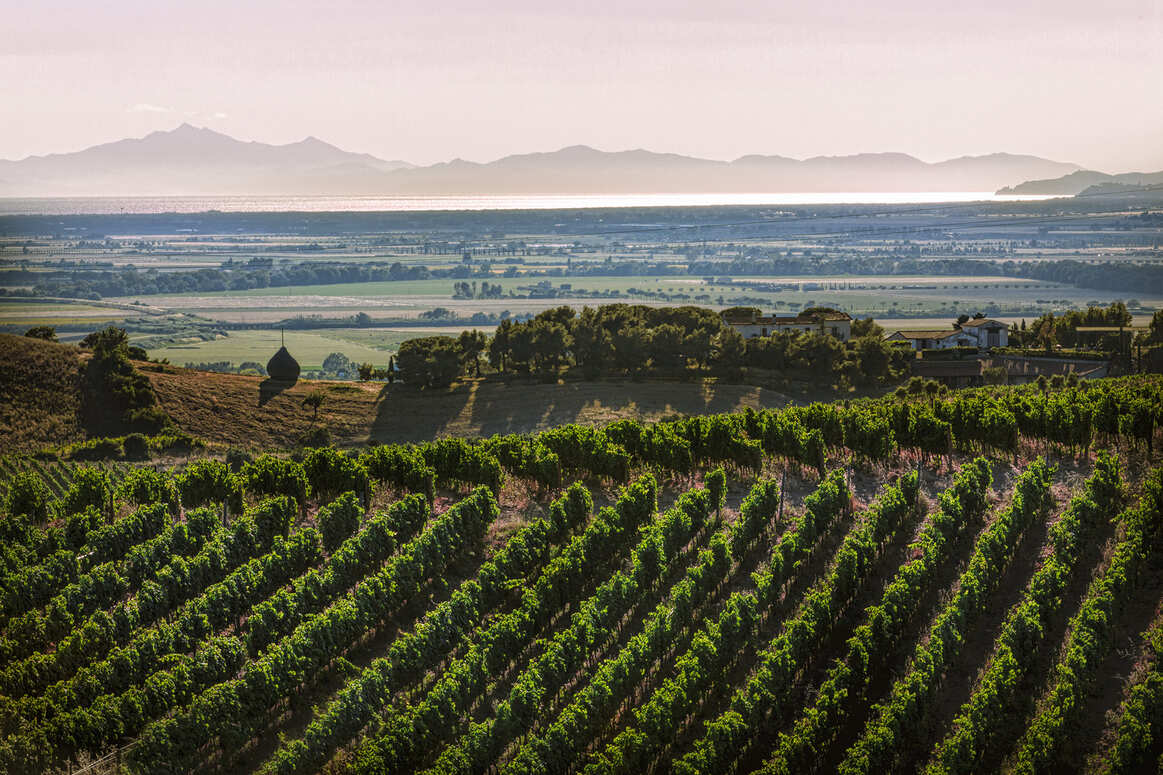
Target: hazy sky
column 1073, row 80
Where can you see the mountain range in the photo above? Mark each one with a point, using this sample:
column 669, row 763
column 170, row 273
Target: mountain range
column 192, row 161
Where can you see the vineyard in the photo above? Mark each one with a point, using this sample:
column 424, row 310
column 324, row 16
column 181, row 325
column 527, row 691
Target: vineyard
column 947, row 583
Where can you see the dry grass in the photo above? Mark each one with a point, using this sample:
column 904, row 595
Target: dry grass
column 40, row 399
column 40, row 404
column 230, row 409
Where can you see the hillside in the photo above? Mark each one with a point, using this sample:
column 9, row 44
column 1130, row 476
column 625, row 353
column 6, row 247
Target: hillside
column 226, row 409
column 966, row 582
column 40, row 393
column 42, row 403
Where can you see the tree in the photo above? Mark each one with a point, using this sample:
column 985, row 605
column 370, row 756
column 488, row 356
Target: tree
column 550, row 343
column 592, row 347
column 499, row 347
column 1044, row 331
column 366, row 370
column 107, row 342
column 432, row 361
column 472, row 344
column 338, row 363
column 666, row 346
column 127, row 390
column 730, row 349
column 314, row 400
column 875, row 359
column 47, row 333
column 1156, row 326
column 866, row 327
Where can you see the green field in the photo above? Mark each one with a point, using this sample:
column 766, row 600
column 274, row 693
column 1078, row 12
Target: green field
column 56, row 313
column 879, row 296
column 310, row 348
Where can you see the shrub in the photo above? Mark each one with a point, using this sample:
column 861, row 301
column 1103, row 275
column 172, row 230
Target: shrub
column 339, row 519
column 47, row 333
column 78, row 525
column 270, row 475
column 331, row 472
column 236, row 458
column 205, row 481
column 401, row 466
column 90, row 489
column 29, row 497
column 136, row 446
column 315, row 437
column 144, row 485
column 273, row 516
column 173, row 442
column 96, row 449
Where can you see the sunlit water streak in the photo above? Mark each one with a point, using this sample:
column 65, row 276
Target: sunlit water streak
column 320, row 204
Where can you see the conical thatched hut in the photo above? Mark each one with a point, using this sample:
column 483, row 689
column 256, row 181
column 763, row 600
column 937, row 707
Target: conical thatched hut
column 283, row 367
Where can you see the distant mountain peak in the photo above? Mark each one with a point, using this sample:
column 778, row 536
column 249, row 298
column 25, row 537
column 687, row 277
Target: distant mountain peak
column 579, row 148
column 187, row 129
column 193, row 160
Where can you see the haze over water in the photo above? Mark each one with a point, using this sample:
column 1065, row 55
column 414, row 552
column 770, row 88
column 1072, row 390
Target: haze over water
column 320, row 204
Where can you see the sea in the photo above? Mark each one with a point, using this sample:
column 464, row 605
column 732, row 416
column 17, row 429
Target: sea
column 322, row 204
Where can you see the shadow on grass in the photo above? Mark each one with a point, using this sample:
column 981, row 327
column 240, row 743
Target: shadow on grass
column 406, row 413
column 269, row 388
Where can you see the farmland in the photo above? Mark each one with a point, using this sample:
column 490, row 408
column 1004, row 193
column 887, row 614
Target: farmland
column 310, row 347
column 950, row 583
column 879, row 296
column 200, row 276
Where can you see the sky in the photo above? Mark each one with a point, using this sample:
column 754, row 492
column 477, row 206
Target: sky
column 1071, row 80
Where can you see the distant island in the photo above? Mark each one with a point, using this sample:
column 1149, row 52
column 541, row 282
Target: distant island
column 192, row 161
column 1086, row 182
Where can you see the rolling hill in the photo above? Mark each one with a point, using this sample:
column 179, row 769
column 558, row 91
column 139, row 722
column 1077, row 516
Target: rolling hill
column 963, row 582
column 41, row 403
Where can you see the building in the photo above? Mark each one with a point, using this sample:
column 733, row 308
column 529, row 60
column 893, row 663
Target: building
column 988, row 333
column 817, row 320
column 981, row 333
column 933, row 340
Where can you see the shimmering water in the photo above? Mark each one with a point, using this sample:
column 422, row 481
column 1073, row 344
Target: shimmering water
column 318, row 204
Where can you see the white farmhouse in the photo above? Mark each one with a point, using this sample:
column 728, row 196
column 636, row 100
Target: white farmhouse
column 981, row 333
column 933, row 340
column 988, row 333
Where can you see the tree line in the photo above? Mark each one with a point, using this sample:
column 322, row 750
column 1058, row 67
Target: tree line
column 1128, row 276
column 637, row 341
